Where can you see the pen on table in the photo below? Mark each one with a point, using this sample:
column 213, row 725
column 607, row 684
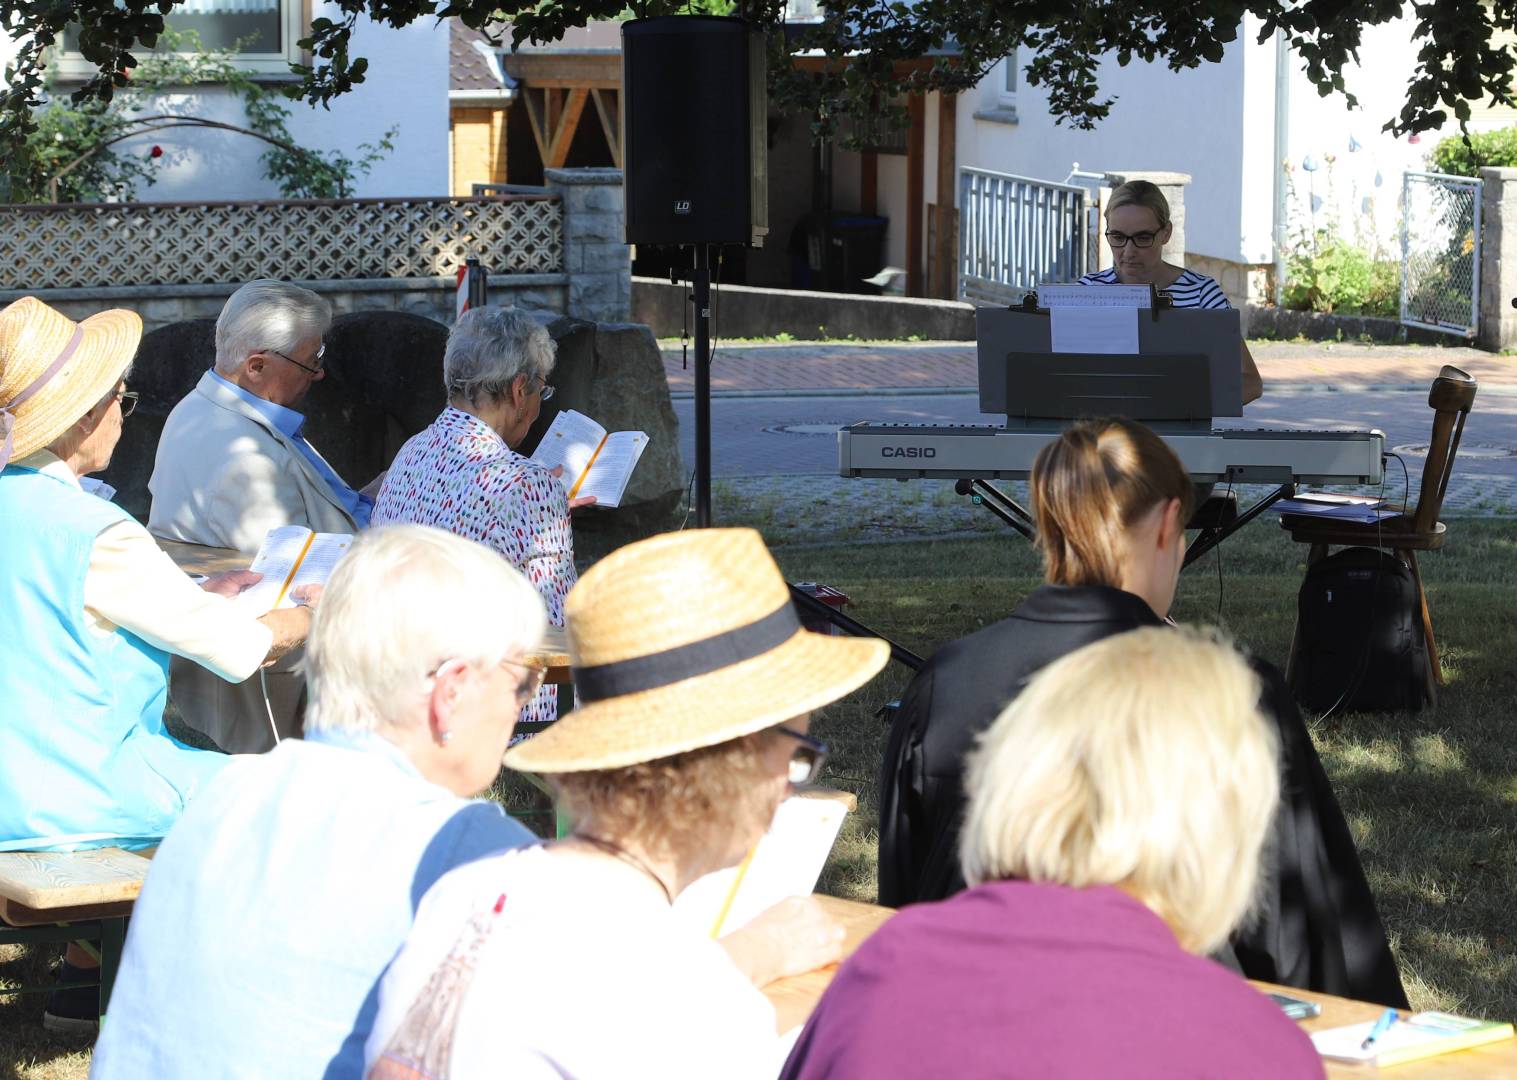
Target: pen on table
column 1382, row 1025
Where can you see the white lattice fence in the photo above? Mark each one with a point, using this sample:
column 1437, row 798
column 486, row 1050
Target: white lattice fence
column 98, row 245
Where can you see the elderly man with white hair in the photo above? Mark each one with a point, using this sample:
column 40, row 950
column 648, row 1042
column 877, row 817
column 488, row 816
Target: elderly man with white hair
column 278, row 900
column 232, row 464
column 462, row 472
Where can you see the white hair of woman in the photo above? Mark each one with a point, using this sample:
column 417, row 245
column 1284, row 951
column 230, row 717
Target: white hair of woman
column 489, row 348
column 404, row 601
column 1141, row 762
column 268, row 315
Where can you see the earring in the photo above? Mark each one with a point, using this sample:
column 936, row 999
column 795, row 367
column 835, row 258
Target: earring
column 445, row 737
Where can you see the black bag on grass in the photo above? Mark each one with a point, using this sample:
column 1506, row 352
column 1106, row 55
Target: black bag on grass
column 1359, row 642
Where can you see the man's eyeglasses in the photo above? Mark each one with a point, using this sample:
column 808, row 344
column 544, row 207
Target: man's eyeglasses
column 807, row 761
column 307, row 368
column 1142, row 239
column 128, row 402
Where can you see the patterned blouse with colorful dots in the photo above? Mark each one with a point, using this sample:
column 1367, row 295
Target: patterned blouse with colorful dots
column 459, row 475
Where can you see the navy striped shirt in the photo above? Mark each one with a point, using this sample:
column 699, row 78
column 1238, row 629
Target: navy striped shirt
column 1190, row 290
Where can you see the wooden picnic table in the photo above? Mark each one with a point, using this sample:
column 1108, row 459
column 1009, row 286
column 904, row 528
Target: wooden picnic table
column 196, row 559
column 794, row 999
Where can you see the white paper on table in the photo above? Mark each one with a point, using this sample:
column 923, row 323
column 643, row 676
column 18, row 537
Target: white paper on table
column 1095, row 296
column 1093, row 330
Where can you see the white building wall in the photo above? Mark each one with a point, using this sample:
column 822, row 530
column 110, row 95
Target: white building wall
column 1190, row 122
column 407, row 88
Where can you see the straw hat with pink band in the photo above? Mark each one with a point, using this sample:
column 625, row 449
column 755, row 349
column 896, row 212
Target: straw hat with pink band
column 683, row 641
column 54, row 370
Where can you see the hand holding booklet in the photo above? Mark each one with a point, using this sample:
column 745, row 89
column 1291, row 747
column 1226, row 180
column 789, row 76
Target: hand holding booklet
column 597, row 463
column 290, row 557
column 786, row 862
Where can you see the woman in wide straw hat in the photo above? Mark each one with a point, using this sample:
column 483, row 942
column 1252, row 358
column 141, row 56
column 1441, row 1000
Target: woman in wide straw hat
column 92, row 607
column 697, row 683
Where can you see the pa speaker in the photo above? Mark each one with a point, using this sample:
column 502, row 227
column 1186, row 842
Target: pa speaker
column 694, row 114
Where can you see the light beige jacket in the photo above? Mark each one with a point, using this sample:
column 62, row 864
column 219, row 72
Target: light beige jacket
column 224, row 476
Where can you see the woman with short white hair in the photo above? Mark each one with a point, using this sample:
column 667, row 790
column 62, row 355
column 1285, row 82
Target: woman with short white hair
column 462, row 474
column 1117, row 812
column 274, row 906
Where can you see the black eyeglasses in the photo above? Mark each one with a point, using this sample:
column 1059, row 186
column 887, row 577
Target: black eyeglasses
column 1142, row 239
column 807, row 761
column 307, row 368
column 128, row 402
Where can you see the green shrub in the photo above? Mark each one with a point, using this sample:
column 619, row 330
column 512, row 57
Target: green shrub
column 1339, row 278
column 1489, row 149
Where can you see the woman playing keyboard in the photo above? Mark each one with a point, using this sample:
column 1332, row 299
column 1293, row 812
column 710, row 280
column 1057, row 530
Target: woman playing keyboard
column 1137, row 228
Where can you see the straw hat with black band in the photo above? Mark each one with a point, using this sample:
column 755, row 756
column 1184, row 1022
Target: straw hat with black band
column 683, row 641
column 54, row 370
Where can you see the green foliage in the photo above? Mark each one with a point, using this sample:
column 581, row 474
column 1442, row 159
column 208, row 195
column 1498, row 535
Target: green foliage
column 1338, row 277
column 869, row 50
column 1466, row 155
column 76, row 145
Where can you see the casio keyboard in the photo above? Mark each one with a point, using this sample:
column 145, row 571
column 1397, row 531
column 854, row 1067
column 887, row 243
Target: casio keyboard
column 974, row 455
column 1219, row 455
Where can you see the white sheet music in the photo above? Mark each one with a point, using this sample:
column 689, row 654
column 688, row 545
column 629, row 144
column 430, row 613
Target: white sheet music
column 1095, row 296
column 607, row 479
column 595, row 463
column 1093, row 330
column 291, row 555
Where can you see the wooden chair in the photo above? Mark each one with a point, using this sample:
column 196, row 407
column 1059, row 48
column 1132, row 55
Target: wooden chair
column 1416, row 528
column 79, row 896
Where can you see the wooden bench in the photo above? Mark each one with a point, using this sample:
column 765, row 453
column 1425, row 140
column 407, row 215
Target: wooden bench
column 79, row 896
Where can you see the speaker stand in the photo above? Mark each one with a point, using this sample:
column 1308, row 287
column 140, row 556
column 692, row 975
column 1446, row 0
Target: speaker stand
column 701, row 279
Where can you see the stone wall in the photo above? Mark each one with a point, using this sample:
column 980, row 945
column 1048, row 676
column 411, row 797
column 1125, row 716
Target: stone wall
column 1498, row 259
column 1244, row 283
column 596, row 254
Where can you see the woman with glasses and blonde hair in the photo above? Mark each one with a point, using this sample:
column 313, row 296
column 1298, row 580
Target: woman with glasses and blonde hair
column 1118, row 809
column 1137, row 228
column 1111, row 501
column 463, row 474
column 697, row 684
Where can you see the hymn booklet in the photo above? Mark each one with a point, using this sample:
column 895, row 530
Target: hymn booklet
column 596, row 462
column 290, row 557
column 787, row 861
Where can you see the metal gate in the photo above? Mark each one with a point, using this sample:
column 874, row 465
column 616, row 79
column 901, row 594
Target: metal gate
column 1440, row 252
column 1016, row 231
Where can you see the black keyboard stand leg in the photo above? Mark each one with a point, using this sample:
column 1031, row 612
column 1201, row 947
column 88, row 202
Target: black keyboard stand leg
column 1210, row 538
column 998, row 503
column 812, row 607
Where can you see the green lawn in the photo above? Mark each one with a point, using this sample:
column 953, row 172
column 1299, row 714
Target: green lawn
column 1432, row 797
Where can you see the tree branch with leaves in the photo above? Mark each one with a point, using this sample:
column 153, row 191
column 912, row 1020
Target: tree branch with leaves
column 860, row 45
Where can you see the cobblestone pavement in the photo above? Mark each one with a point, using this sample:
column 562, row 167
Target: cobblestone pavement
column 761, row 368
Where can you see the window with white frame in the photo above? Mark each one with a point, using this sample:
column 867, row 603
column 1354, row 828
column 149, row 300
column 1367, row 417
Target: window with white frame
column 264, row 33
column 1007, row 87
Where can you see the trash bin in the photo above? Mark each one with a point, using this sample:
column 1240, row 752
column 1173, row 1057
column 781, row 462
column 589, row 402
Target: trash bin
column 855, row 251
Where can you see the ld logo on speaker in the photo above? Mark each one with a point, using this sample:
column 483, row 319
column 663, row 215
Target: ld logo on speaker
column 682, row 206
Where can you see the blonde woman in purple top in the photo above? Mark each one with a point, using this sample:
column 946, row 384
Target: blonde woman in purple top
column 1117, row 813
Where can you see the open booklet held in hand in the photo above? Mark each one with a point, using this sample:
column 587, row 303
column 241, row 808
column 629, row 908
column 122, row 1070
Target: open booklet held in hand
column 596, row 463
column 787, row 861
column 290, row 557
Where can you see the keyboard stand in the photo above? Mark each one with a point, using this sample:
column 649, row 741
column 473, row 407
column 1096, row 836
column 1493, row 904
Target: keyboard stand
column 814, row 607
column 1014, row 514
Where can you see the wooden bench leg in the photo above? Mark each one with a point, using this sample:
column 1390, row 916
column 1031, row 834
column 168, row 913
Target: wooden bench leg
column 112, row 943
column 1409, row 557
column 1315, row 554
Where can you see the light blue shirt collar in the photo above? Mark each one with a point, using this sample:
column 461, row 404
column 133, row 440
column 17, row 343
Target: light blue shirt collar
column 287, row 421
column 366, row 742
